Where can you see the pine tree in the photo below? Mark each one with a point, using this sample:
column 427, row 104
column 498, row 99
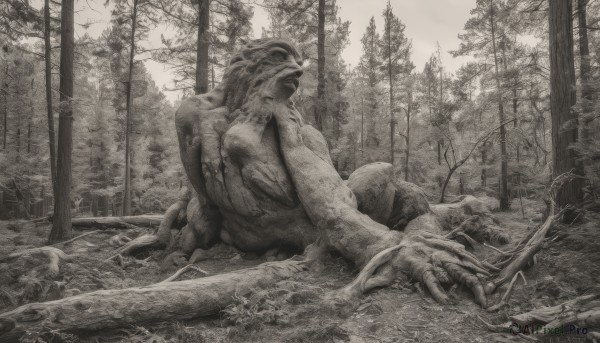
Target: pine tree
column 369, row 70
column 395, row 48
column 61, row 228
column 562, row 98
column 481, row 38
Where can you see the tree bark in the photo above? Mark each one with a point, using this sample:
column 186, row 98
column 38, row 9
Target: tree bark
column 61, row 227
column 127, row 188
column 407, row 151
column 446, row 181
column 48, row 74
column 320, row 108
column 390, row 76
column 587, row 91
column 203, row 42
column 562, row 98
column 5, row 106
column 504, row 202
column 483, row 168
column 165, row 301
column 362, row 127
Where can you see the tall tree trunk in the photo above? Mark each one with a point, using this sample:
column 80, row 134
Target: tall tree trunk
column 127, row 191
column 5, row 106
column 362, row 127
column 320, row 108
column 48, row 74
column 61, row 227
column 212, row 75
column 504, row 203
column 407, row 151
column 391, row 78
column 515, row 106
column 203, row 41
column 32, row 106
column 587, row 90
column 544, row 140
column 439, row 153
column 483, row 168
column 441, row 108
column 562, row 98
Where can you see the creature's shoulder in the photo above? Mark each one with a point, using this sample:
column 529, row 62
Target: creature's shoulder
column 198, row 106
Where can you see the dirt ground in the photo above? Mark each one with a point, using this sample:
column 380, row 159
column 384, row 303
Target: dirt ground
column 567, row 267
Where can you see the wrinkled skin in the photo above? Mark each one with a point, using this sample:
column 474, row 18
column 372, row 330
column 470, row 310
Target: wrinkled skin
column 264, row 179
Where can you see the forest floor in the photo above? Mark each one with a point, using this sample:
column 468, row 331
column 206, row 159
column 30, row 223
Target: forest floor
column 567, row 267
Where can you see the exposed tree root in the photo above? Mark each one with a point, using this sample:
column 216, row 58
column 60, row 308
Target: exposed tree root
column 119, row 240
column 163, row 234
column 54, row 255
column 365, row 280
column 76, row 238
column 480, row 229
column 143, row 241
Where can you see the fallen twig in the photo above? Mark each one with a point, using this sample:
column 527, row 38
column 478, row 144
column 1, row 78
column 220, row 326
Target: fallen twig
column 492, row 327
column 504, row 301
column 496, row 249
column 183, row 271
column 521, row 259
column 76, row 238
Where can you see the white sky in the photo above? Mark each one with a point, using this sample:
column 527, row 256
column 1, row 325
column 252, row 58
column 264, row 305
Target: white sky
column 427, row 22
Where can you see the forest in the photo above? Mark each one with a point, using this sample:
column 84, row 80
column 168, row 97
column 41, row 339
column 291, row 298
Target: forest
column 297, row 197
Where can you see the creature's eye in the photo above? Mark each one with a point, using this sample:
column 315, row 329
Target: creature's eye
column 279, row 55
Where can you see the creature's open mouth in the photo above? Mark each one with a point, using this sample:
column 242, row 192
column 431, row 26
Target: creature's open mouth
column 292, row 80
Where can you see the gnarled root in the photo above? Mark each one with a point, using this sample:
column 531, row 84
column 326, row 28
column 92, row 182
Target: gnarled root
column 54, row 255
column 365, row 279
column 471, row 217
column 175, row 213
column 479, row 229
column 31, row 275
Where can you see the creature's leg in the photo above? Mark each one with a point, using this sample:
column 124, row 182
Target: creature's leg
column 203, row 228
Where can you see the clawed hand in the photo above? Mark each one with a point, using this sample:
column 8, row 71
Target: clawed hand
column 434, row 261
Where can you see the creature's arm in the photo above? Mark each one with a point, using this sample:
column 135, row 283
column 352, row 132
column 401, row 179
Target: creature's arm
column 193, row 112
column 331, row 206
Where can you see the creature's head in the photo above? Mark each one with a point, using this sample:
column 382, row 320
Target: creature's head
column 269, row 66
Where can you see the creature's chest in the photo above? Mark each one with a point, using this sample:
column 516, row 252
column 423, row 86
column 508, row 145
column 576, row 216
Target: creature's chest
column 252, row 179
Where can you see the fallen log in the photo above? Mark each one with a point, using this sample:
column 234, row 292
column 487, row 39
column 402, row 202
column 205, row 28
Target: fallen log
column 164, row 301
column 583, row 311
column 519, row 260
column 125, row 222
column 578, row 318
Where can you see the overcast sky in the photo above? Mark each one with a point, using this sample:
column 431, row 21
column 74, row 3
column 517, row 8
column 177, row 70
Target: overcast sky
column 427, row 22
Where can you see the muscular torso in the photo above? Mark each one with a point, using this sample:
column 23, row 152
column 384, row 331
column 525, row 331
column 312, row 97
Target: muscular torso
column 233, row 160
